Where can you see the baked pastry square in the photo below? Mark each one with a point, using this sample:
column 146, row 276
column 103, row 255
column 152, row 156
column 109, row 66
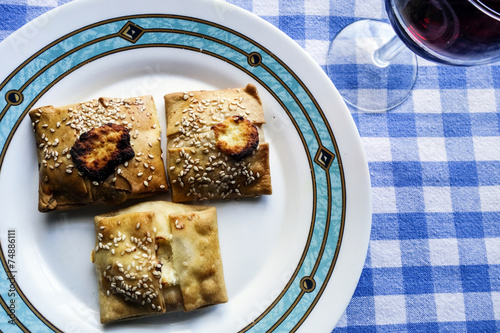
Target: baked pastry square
column 106, row 150
column 157, row 257
column 216, row 145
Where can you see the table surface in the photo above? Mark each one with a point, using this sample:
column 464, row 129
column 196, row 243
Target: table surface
column 433, row 262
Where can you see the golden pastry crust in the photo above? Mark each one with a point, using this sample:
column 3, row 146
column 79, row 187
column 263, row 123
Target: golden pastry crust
column 127, row 267
column 203, row 164
column 63, row 186
column 182, row 246
column 195, row 259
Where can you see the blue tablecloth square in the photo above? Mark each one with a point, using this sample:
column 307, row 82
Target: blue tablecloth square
column 13, row 16
column 459, row 149
column 456, row 124
column 356, row 305
column 317, row 27
column 343, row 73
column 415, row 252
column 447, row 279
column 463, row 173
column 399, row 76
column 452, row 101
column 479, row 77
column 495, row 71
column 409, row 199
column 469, row 224
column 483, row 326
column 488, row 173
column 453, row 327
column 422, row 327
column 405, row 149
column 388, row 281
column 385, row 226
column 357, row 329
column 471, row 251
column 412, row 226
column 343, row 8
column 465, row 199
column 485, row 124
column 491, row 225
column 385, row 169
column 494, row 272
column 401, row 125
column 435, row 174
column 475, row 278
column 337, row 23
column 427, row 78
column 429, row 124
column 421, row 308
column 441, row 225
column 291, row 25
column 479, row 307
column 418, row 279
column 451, row 77
column 374, row 125
column 407, row 173
column 295, row 8
column 365, row 284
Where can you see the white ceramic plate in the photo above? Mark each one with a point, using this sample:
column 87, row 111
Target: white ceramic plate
column 291, row 260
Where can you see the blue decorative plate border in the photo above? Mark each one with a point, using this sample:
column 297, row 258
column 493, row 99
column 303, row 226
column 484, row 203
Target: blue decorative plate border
column 35, row 76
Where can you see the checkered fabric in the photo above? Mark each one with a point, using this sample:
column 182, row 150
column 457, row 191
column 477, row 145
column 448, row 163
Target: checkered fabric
column 434, row 257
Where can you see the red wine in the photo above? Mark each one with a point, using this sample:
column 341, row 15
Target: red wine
column 458, row 32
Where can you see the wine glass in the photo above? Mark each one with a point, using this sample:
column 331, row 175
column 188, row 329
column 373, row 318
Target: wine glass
column 374, row 71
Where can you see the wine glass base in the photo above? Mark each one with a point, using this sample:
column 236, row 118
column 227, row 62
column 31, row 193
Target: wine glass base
column 364, row 82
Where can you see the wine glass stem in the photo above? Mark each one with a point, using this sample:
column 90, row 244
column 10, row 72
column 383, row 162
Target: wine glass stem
column 383, row 55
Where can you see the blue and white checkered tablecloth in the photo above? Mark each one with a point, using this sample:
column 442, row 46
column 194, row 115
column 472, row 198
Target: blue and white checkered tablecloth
column 434, row 257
